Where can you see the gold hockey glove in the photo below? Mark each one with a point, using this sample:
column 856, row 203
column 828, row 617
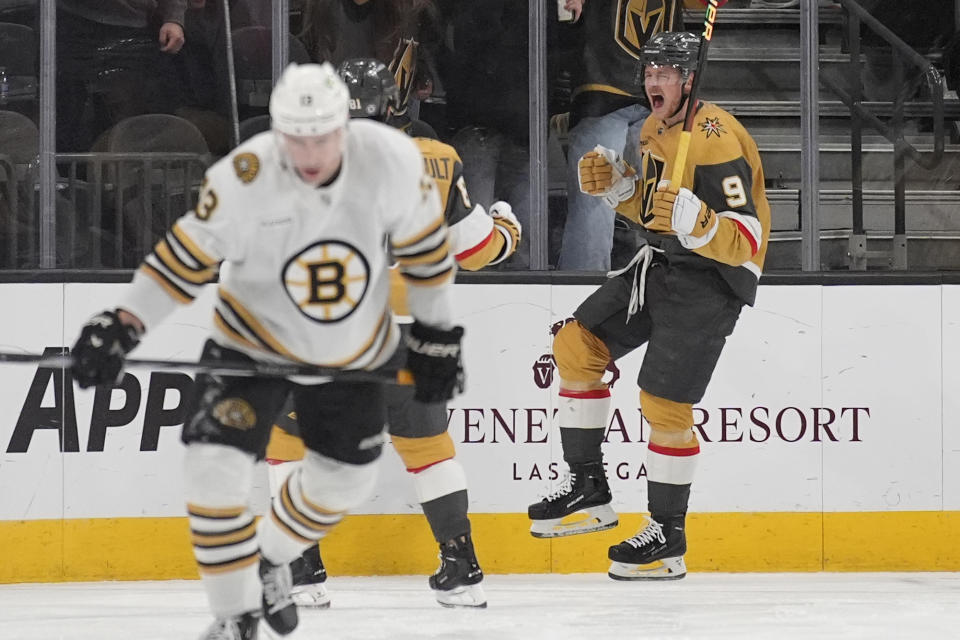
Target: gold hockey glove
column 681, row 211
column 604, row 174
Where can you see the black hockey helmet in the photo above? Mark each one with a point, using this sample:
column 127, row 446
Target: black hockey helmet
column 373, row 91
column 672, row 49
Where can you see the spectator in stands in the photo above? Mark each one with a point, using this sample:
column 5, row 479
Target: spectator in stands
column 608, row 109
column 485, row 77
column 114, row 60
column 399, row 32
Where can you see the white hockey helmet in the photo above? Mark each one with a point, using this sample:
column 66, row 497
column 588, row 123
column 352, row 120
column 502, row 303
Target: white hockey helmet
column 309, row 100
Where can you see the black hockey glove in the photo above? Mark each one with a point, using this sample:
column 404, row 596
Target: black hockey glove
column 433, row 357
column 99, row 351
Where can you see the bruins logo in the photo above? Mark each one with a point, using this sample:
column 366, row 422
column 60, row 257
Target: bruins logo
column 651, row 172
column 638, row 20
column 235, row 413
column 327, row 280
column 247, row 166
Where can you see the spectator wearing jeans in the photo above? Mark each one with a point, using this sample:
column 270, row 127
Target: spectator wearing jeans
column 608, row 109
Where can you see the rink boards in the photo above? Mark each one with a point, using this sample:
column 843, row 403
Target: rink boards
column 829, row 442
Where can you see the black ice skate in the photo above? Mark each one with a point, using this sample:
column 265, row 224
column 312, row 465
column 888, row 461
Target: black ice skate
column 242, row 627
column 309, row 576
column 585, row 495
column 457, row 581
column 655, row 553
column 279, row 610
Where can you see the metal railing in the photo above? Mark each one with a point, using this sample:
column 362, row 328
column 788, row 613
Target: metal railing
column 892, row 130
column 110, row 208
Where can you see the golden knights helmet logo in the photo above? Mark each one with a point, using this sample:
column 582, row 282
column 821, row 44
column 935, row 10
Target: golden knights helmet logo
column 327, row 280
column 404, row 70
column 638, row 20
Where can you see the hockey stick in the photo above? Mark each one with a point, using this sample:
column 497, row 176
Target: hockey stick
column 252, row 368
column 684, row 144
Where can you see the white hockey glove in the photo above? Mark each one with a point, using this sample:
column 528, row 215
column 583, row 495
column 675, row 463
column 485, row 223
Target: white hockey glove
column 503, row 216
column 604, row 174
column 681, row 211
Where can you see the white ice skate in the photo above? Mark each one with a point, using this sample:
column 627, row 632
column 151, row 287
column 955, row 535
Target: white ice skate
column 311, row 596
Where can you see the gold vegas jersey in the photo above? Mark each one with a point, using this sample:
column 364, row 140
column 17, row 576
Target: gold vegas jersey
column 723, row 169
column 306, row 270
column 476, row 238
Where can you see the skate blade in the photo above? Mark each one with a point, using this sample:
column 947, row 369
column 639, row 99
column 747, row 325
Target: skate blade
column 585, row 521
column 666, row 569
column 465, row 597
column 314, row 596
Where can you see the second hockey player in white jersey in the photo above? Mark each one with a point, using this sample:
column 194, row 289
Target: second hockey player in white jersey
column 299, row 215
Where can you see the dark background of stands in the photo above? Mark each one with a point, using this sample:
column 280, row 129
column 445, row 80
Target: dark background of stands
column 135, row 128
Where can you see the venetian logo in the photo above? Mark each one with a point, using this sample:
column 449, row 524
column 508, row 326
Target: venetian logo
column 545, row 365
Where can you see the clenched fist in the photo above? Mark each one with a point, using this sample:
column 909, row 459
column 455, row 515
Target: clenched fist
column 604, row 174
column 681, row 211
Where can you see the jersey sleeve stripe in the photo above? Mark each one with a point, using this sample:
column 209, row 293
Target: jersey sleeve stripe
column 192, row 247
column 172, row 262
column 428, row 256
column 432, row 228
column 749, row 226
column 429, row 281
column 466, row 253
column 168, row 285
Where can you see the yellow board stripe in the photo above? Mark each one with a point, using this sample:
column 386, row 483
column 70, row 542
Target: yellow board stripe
column 159, row 548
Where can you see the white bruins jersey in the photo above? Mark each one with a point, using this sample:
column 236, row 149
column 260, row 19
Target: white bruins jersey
column 306, row 269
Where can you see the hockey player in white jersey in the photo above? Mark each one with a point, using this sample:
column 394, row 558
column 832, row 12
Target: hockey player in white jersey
column 299, row 215
column 418, row 430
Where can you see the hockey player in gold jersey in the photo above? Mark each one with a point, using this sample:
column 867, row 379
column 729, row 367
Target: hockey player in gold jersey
column 681, row 295
column 418, row 430
column 299, row 226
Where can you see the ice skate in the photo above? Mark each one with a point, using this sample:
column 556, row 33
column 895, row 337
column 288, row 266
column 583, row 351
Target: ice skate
column 279, row 610
column 655, row 553
column 457, row 581
column 309, row 576
column 580, row 505
column 242, row 627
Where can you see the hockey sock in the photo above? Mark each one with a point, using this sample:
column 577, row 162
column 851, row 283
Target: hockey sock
column 583, row 422
column 447, row 516
column 293, row 523
column 442, row 492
